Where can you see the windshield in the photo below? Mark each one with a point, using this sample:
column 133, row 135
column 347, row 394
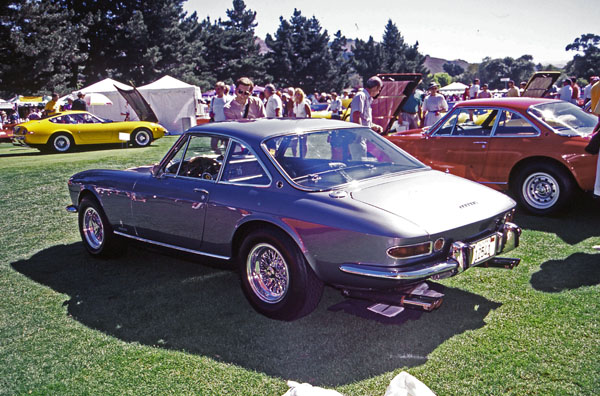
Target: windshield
column 324, row 159
column 565, row 118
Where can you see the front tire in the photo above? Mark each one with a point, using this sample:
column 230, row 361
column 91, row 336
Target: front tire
column 61, row 143
column 276, row 278
column 141, row 137
column 543, row 189
column 96, row 232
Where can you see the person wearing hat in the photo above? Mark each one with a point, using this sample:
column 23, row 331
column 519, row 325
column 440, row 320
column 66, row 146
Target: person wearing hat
column 434, row 105
column 79, row 103
column 566, row 92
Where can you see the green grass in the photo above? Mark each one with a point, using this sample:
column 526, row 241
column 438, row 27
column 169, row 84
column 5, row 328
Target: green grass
column 157, row 323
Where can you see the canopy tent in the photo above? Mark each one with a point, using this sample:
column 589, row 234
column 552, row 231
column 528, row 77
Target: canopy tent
column 107, row 88
column 453, row 88
column 173, row 101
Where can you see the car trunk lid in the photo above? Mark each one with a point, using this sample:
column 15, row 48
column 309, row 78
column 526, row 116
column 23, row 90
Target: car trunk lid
column 434, row 200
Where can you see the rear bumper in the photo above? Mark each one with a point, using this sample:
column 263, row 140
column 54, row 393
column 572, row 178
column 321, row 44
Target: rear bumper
column 460, row 258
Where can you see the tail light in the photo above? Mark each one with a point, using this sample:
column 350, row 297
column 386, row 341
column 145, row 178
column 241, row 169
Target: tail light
column 408, row 251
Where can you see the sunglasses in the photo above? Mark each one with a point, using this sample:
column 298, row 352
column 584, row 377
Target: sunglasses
column 246, row 93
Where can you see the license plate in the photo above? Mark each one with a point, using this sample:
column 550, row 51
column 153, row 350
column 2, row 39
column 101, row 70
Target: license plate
column 483, row 249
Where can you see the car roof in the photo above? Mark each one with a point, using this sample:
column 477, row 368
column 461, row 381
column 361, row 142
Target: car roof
column 517, row 103
column 256, row 130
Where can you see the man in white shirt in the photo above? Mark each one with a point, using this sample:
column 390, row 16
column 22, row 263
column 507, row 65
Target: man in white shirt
column 273, row 106
column 474, row 91
column 218, row 102
column 566, row 92
column 587, row 90
column 336, row 106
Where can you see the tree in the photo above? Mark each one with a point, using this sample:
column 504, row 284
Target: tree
column 40, row 47
column 368, row 59
column 237, row 49
column 442, row 79
column 301, row 56
column 453, row 69
column 393, row 55
column 586, row 62
column 492, row 70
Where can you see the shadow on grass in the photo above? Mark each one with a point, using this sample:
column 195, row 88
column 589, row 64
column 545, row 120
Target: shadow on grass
column 576, row 223
column 167, row 302
column 20, row 151
column 577, row 270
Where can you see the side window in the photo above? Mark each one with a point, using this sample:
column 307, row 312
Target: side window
column 243, row 167
column 513, row 124
column 203, row 157
column 446, row 129
column 474, row 122
column 173, row 166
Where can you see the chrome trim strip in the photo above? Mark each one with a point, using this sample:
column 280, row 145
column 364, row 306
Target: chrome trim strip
column 398, row 274
column 172, row 246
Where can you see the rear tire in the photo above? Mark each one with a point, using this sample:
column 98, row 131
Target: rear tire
column 276, row 278
column 543, row 189
column 96, row 232
column 60, row 143
column 141, row 137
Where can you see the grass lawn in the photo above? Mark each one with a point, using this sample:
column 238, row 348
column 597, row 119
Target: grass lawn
column 156, row 323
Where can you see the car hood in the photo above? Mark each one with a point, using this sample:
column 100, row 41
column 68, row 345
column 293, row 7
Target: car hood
column 435, row 201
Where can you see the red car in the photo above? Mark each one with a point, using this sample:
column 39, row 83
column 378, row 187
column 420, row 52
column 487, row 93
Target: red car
column 532, row 146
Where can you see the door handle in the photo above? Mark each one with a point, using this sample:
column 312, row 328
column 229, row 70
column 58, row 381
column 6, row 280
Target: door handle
column 200, row 190
column 479, row 142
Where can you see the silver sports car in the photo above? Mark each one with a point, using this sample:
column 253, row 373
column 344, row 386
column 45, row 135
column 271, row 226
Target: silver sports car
column 298, row 204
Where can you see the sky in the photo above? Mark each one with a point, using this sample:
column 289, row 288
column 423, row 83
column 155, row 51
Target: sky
column 453, row 29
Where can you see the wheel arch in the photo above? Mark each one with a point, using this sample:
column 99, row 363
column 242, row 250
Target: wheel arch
column 61, row 132
column 249, row 226
column 142, row 128
column 87, row 193
column 538, row 160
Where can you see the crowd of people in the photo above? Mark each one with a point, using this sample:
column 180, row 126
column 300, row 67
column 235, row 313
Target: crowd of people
column 29, row 113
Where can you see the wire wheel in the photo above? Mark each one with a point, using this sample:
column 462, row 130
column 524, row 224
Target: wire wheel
column 92, row 228
column 267, row 273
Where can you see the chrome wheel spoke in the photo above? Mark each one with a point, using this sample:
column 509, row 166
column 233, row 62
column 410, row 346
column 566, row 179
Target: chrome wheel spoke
column 267, row 273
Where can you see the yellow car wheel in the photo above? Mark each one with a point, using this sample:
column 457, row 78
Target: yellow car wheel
column 60, row 143
column 141, row 137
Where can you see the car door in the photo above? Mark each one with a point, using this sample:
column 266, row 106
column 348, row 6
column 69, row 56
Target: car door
column 459, row 146
column 514, row 138
column 90, row 129
column 170, row 207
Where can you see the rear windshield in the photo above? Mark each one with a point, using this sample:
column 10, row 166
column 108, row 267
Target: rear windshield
column 564, row 118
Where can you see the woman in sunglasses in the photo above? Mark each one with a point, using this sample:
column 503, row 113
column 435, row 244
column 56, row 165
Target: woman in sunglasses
column 244, row 105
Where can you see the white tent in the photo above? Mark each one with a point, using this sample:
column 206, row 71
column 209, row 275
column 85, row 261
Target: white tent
column 453, row 88
column 173, row 101
column 119, row 105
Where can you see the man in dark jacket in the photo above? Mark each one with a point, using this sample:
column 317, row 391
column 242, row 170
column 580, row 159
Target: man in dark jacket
column 79, row 103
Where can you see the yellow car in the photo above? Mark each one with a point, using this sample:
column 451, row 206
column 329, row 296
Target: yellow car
column 63, row 131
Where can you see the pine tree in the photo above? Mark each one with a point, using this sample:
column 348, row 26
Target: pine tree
column 42, row 36
column 301, row 56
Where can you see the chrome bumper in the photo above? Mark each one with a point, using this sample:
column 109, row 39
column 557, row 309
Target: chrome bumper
column 460, row 258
